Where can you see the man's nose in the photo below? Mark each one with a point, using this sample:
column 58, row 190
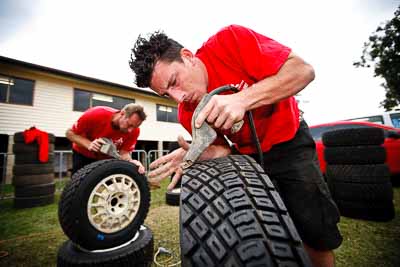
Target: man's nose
column 177, row 95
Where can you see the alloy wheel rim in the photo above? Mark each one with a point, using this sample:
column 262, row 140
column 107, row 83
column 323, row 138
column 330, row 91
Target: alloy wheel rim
column 114, row 203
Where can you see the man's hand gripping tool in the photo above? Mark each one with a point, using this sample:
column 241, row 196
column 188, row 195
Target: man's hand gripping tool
column 109, row 149
column 204, row 136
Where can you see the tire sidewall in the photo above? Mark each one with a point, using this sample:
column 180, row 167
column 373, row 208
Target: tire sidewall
column 141, row 249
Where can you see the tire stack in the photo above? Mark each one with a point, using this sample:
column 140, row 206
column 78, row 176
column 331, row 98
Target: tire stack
column 33, row 180
column 102, row 210
column 357, row 175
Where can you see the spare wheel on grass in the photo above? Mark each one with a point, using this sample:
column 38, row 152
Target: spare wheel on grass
column 172, row 197
column 104, row 204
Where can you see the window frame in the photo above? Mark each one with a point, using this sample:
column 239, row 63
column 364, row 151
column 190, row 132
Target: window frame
column 91, row 94
column 8, row 92
column 158, row 106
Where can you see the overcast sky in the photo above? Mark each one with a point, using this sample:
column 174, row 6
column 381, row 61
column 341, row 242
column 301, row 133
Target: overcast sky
column 94, row 38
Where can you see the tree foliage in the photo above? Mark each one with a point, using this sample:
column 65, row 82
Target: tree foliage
column 383, row 50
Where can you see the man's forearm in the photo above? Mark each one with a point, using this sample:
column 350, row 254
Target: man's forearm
column 77, row 139
column 125, row 155
column 294, row 76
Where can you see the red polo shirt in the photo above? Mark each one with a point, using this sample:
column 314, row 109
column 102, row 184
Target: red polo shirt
column 96, row 123
column 238, row 55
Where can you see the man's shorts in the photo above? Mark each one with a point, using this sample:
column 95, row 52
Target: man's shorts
column 293, row 167
column 79, row 161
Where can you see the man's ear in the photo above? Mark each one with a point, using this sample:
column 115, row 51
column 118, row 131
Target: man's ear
column 122, row 113
column 187, row 54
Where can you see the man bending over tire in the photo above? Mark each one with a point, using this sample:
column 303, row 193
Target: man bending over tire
column 268, row 75
column 120, row 126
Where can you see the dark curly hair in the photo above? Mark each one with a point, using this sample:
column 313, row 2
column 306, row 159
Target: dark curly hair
column 146, row 52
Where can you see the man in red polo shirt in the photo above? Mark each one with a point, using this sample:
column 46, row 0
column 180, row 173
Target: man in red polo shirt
column 268, row 75
column 120, row 126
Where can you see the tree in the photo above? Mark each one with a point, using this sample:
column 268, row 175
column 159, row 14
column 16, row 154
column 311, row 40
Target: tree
column 383, row 49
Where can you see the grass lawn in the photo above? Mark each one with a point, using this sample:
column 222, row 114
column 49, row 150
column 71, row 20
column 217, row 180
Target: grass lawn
column 31, row 237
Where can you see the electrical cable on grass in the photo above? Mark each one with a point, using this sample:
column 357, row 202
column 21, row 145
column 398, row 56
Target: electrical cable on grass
column 166, row 262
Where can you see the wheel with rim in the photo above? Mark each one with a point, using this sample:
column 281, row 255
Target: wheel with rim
column 104, row 204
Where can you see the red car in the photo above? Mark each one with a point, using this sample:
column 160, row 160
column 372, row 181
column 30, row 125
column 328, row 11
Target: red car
column 392, row 141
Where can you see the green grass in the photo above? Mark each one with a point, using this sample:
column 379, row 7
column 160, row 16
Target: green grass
column 31, row 237
column 7, row 190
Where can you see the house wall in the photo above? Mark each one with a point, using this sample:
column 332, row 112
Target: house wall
column 52, row 109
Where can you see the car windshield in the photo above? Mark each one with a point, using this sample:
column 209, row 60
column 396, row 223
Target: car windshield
column 317, row 132
column 395, row 118
column 375, row 119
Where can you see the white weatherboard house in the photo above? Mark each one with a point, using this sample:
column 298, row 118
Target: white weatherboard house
column 52, row 100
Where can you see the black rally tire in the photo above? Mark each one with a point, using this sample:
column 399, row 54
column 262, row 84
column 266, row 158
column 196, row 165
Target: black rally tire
column 19, row 148
column 355, row 155
column 25, row 180
column 31, row 158
column 361, row 192
column 30, row 202
column 379, row 211
column 30, row 169
column 232, row 215
column 19, row 138
column 137, row 253
column 173, row 197
column 35, row 190
column 354, row 137
column 374, row 173
column 129, row 190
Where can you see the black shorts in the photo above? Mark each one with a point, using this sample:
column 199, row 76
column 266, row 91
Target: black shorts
column 293, row 167
column 79, row 161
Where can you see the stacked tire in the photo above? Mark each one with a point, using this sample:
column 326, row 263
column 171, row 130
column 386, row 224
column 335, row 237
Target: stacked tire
column 33, row 180
column 357, row 175
column 102, row 210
